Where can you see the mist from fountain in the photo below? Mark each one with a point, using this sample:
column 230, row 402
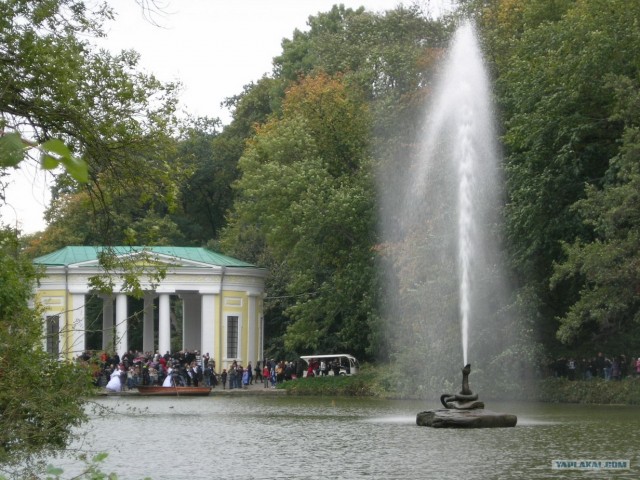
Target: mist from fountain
column 448, row 265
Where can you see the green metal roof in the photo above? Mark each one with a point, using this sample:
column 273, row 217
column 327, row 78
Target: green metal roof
column 76, row 254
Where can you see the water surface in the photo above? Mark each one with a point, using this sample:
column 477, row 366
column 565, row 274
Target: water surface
column 327, row 438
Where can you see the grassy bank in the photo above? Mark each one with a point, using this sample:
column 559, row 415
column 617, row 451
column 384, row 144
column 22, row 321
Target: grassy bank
column 361, row 385
column 561, row 390
column 376, row 383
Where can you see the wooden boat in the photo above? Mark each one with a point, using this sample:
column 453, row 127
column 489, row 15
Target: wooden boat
column 157, row 390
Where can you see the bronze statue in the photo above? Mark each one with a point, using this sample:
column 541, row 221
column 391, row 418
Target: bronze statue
column 463, row 410
column 466, row 399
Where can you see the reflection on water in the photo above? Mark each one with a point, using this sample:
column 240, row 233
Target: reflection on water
column 400, row 419
column 528, row 422
column 322, row 438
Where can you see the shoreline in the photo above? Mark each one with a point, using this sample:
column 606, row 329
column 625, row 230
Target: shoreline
column 551, row 390
column 251, row 390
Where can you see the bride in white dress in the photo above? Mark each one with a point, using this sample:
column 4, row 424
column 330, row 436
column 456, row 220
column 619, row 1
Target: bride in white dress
column 115, row 381
column 168, row 381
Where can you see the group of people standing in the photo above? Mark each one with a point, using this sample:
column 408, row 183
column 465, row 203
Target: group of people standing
column 277, row 372
column 267, row 372
column 134, row 369
column 186, row 368
column 271, row 373
column 237, row 375
column 601, row 366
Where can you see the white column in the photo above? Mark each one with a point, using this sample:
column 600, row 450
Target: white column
column 107, row 324
column 219, row 330
column 147, row 324
column 78, row 324
column 121, row 343
column 164, row 323
column 208, row 318
column 251, row 329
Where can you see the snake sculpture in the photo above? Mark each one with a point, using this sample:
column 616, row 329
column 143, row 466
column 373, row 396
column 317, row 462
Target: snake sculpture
column 465, row 395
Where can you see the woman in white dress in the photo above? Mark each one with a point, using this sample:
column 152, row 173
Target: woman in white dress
column 168, row 381
column 115, row 381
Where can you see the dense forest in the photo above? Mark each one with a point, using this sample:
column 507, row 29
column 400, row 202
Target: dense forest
column 292, row 183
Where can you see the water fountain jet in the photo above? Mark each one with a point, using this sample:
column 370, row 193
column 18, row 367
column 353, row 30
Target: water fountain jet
column 460, row 151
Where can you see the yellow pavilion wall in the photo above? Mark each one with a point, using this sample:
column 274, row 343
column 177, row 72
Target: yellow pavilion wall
column 58, row 302
column 237, row 303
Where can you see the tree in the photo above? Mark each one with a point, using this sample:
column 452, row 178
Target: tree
column 56, row 88
column 559, row 132
column 382, row 53
column 385, row 58
column 305, row 190
column 82, row 108
column 210, row 158
column 608, row 267
column 41, row 400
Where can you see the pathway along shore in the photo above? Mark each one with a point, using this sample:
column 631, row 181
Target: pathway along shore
column 256, row 389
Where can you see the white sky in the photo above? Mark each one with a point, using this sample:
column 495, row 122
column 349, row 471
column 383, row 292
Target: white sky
column 212, row 47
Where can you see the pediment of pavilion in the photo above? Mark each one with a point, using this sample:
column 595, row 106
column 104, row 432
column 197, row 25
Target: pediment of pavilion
column 143, row 259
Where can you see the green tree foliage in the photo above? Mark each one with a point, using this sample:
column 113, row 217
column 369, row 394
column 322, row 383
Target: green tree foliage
column 305, row 193
column 53, row 152
column 608, row 267
column 378, row 51
column 254, row 105
column 64, row 100
column 390, row 56
column 386, row 58
column 41, row 399
column 210, row 160
column 123, row 215
column 553, row 61
column 56, row 87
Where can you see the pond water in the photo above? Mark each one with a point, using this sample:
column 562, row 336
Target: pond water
column 256, row 437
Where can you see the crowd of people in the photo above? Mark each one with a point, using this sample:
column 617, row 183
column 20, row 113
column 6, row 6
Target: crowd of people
column 267, row 372
column 184, row 368
column 133, row 369
column 602, row 366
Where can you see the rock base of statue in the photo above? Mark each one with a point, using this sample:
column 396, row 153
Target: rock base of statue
column 476, row 418
column 464, row 410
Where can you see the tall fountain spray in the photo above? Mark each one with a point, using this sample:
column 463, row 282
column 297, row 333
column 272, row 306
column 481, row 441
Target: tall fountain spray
column 454, row 189
column 450, row 215
column 447, row 265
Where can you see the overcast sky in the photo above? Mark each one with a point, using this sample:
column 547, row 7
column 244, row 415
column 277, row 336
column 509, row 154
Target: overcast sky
column 212, row 47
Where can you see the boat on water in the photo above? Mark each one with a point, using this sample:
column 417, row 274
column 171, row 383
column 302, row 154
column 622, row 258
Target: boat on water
column 172, row 391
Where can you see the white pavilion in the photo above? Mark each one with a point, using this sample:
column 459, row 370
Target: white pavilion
column 214, row 300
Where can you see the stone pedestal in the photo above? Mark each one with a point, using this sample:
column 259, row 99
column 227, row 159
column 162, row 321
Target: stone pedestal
column 464, row 410
column 477, row 418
